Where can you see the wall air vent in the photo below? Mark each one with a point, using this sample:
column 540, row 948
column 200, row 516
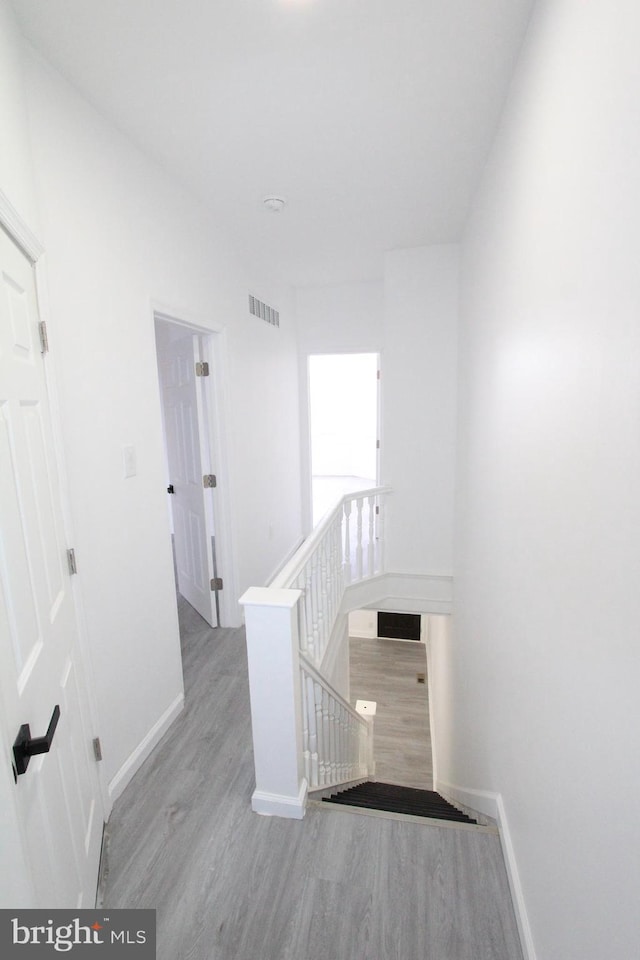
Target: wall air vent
column 262, row 310
column 399, row 626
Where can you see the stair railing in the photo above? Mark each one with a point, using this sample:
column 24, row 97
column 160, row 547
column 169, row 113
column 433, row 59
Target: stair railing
column 337, row 742
column 305, row 734
column 346, row 547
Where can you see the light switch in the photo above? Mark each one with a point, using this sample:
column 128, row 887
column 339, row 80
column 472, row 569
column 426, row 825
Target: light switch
column 129, row 461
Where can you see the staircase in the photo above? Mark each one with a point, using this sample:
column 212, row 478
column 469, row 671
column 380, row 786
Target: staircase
column 394, row 798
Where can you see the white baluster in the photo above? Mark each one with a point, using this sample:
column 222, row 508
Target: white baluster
column 320, row 732
column 380, row 537
column 307, row 605
column 328, row 735
column 359, row 504
column 328, row 744
column 346, row 558
column 323, row 617
column 371, row 543
column 313, row 736
column 306, row 752
column 339, row 736
column 315, row 609
column 336, row 566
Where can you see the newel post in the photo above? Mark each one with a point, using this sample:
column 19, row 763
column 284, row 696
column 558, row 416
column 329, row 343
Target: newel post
column 271, row 619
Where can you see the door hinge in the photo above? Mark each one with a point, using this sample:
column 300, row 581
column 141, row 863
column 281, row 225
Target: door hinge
column 202, row 369
column 377, row 374
column 71, row 560
column 44, row 337
column 97, row 749
column 377, row 444
column 377, row 509
column 216, row 583
column 209, row 480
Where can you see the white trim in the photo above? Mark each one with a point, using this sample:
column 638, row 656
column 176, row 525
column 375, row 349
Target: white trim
column 135, row 760
column 17, row 228
column 215, row 351
column 276, row 805
column 482, row 801
column 270, row 597
column 517, row 895
column 401, row 593
column 182, row 318
column 492, row 805
column 431, row 698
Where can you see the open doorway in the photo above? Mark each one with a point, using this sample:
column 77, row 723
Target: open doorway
column 388, row 664
column 343, row 419
column 185, row 378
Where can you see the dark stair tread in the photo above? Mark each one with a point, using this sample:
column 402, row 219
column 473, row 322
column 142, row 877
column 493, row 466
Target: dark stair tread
column 394, row 798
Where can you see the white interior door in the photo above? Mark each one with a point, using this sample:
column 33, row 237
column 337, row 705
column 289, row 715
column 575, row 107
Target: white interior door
column 56, row 805
column 188, row 462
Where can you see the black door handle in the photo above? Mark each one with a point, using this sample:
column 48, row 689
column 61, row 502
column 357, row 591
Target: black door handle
column 27, row 746
column 170, row 488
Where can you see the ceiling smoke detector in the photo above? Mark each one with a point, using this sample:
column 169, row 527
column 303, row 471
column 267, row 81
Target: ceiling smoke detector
column 275, row 204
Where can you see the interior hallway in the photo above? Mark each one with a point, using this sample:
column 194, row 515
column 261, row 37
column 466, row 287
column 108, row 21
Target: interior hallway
column 228, row 884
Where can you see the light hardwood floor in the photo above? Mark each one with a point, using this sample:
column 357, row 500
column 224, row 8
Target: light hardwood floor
column 228, row 884
column 386, row 671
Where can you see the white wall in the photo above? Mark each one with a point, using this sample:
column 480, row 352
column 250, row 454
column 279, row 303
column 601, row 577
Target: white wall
column 411, row 319
column 546, row 671
column 16, row 172
column 119, row 235
column 265, row 435
column 419, row 407
column 344, row 318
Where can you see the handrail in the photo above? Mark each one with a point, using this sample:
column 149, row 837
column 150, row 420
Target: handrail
column 309, row 668
column 285, row 577
column 336, row 740
column 345, row 548
column 305, row 734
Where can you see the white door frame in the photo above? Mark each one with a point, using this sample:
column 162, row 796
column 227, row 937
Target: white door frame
column 20, row 232
column 214, row 340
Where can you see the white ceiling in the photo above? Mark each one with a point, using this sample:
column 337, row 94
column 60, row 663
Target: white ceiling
column 372, row 117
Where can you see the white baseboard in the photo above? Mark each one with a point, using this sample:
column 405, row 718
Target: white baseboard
column 135, row 760
column 522, row 918
column 276, row 805
column 492, row 805
column 401, row 593
column 480, row 800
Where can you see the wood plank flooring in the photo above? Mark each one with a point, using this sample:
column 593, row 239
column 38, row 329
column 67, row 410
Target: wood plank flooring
column 228, row 884
column 386, row 671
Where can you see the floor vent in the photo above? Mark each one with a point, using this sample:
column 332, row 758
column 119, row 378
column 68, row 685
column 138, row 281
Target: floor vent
column 262, row 310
